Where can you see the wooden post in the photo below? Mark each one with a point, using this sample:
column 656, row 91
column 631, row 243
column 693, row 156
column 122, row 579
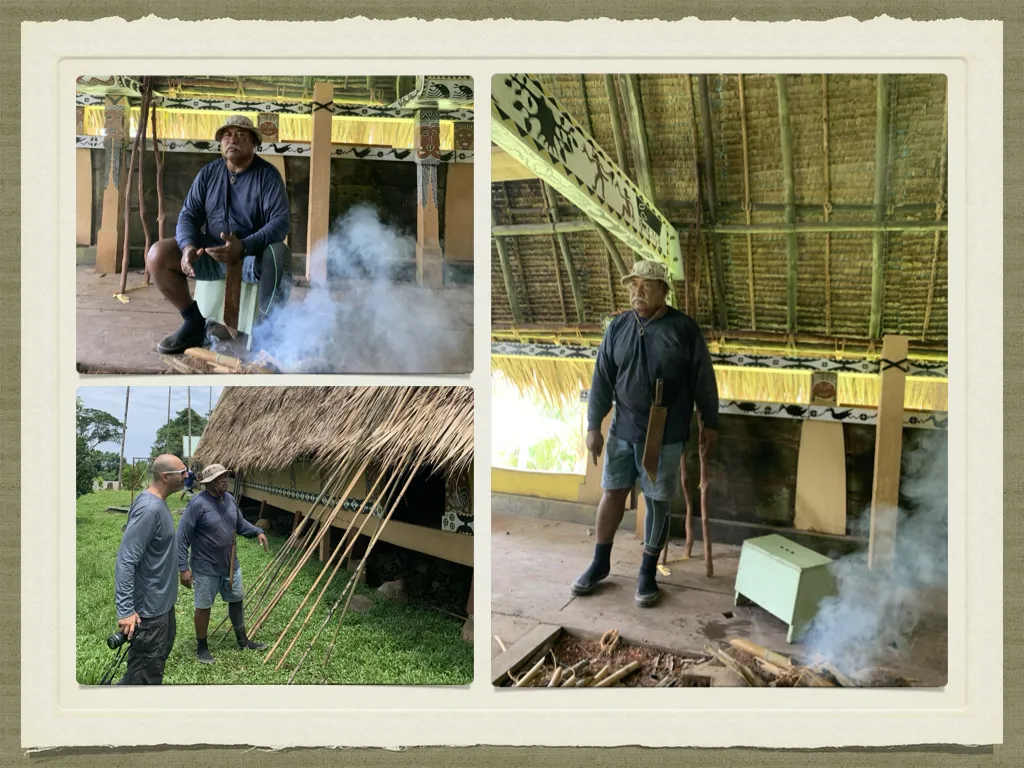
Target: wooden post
column 109, row 245
column 319, row 184
column 83, row 197
column 888, row 452
column 429, row 263
column 269, row 128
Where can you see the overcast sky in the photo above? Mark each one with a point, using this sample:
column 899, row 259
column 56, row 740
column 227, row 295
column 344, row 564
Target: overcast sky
column 147, row 411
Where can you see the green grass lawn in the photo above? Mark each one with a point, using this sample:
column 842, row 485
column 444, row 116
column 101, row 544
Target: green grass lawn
column 389, row 645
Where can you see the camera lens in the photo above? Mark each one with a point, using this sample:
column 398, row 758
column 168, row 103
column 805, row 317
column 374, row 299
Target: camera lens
column 116, row 640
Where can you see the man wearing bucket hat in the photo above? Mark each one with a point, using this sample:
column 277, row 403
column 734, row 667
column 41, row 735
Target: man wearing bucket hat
column 654, row 365
column 236, row 211
column 208, row 526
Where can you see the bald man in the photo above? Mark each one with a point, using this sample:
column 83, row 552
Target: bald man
column 146, row 576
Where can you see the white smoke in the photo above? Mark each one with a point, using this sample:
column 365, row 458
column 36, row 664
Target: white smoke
column 371, row 321
column 872, row 618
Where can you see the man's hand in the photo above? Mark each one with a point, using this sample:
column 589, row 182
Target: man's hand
column 230, row 253
column 186, row 579
column 595, row 443
column 190, row 254
column 708, row 440
column 128, row 624
column 262, row 539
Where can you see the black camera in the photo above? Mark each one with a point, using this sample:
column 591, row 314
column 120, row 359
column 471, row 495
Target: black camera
column 116, row 640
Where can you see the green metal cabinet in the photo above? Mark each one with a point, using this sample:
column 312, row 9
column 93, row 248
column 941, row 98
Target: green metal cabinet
column 785, row 579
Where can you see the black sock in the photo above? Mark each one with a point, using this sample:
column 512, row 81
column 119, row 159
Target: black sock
column 236, row 612
column 646, row 582
column 192, row 316
column 603, row 556
column 201, row 644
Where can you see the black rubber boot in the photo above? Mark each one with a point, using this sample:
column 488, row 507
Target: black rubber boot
column 192, row 333
column 203, row 652
column 245, row 644
column 599, row 569
column 647, row 592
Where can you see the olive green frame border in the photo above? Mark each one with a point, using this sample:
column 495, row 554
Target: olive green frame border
column 1011, row 753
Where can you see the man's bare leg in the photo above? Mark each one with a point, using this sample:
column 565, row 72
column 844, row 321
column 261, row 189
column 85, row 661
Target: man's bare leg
column 610, row 511
column 164, row 262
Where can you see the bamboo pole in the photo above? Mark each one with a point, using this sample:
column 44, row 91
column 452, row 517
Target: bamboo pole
column 563, row 245
column 613, row 678
column 770, row 228
column 638, row 132
column 881, row 169
column 716, row 276
column 746, row 202
column 613, row 251
column 940, row 207
column 786, row 140
column 827, row 168
column 525, row 306
column 554, row 251
column 616, row 121
column 506, row 273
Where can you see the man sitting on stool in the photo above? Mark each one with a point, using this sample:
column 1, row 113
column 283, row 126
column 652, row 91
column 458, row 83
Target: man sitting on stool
column 236, row 210
column 208, row 526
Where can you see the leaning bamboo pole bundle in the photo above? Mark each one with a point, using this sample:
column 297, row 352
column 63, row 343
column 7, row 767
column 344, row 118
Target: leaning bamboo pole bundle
column 349, row 588
column 324, row 528
column 348, row 541
column 284, row 558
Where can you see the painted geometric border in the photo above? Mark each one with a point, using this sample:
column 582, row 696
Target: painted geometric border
column 922, row 368
column 244, row 105
column 292, row 148
column 867, row 416
column 350, row 504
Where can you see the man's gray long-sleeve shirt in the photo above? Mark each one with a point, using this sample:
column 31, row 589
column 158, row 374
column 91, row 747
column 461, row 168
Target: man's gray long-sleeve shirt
column 145, row 580
column 208, row 526
column 671, row 348
column 255, row 206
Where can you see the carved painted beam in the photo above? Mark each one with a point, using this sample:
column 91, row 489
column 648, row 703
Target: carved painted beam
column 530, row 124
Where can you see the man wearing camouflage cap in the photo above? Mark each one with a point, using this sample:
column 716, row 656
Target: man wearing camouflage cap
column 236, row 211
column 651, row 342
column 208, row 526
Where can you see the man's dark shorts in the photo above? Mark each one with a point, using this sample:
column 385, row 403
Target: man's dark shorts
column 151, row 645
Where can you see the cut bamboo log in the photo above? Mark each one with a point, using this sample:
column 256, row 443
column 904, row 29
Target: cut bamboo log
column 746, row 674
column 556, row 677
column 602, row 674
column 534, row 671
column 759, row 651
column 615, row 677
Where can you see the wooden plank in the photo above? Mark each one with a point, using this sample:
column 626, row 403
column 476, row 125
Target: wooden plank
column 83, row 197
column 458, row 213
column 454, row 547
column 318, row 226
column 821, row 479
column 888, row 452
column 109, row 239
column 581, row 171
column 504, row 167
column 232, row 294
column 429, row 259
column 521, row 652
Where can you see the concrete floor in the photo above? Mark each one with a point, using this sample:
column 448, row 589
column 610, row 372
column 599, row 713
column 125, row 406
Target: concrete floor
column 410, row 335
column 535, row 560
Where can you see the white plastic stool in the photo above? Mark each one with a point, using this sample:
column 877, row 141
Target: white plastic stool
column 210, row 299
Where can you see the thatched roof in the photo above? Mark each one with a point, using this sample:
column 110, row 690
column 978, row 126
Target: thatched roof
column 833, row 297
column 267, row 428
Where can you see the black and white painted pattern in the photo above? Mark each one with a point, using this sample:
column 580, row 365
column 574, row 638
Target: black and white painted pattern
column 867, row 416
column 458, row 512
column 524, row 107
column 771, row 362
column 438, row 92
column 290, row 148
column 463, row 524
column 288, row 108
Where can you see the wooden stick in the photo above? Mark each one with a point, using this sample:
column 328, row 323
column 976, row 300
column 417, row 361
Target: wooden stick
column 742, row 670
column 612, row 679
column 500, row 644
column 143, row 122
column 161, row 214
column 128, row 205
column 705, row 524
column 759, row 651
column 569, row 682
column 688, row 551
